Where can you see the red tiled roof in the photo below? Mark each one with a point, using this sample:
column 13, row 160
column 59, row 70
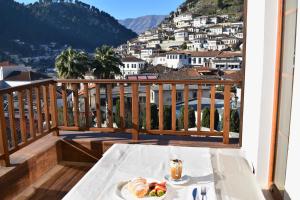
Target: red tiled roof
column 6, row 64
column 131, row 59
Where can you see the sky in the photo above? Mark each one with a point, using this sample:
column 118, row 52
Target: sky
column 122, row 9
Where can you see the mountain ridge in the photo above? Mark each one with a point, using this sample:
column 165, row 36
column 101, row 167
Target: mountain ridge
column 143, row 23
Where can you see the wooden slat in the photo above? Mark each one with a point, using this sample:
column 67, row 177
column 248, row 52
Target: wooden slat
column 65, row 104
column 199, row 104
column 135, row 112
column 30, row 112
column 22, row 117
column 122, row 106
column 53, row 104
column 174, row 107
column 46, row 106
column 3, row 138
column 226, row 120
column 86, row 106
column 161, row 106
column 183, row 133
column 98, row 106
column 12, row 120
column 186, row 107
column 75, row 105
column 39, row 109
column 148, row 108
column 212, row 107
column 154, row 81
column 109, row 106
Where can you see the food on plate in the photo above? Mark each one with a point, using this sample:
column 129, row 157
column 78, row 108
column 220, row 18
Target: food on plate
column 157, row 189
column 138, row 187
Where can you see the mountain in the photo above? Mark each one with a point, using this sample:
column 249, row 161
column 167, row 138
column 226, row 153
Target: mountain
column 76, row 24
column 142, row 24
column 234, row 8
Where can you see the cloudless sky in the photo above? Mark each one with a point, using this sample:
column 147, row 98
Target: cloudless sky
column 122, row 9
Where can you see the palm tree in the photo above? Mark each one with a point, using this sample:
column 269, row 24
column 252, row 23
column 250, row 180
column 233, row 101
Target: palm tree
column 105, row 65
column 71, row 64
column 106, row 62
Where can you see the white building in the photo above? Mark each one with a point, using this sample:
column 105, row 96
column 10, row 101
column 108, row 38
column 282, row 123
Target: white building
column 215, row 30
column 181, row 35
column 183, row 17
column 132, row 66
column 200, row 21
column 147, row 52
column 6, row 68
column 160, row 59
column 177, row 59
column 203, row 58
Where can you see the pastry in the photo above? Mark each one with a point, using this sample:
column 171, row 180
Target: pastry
column 138, row 187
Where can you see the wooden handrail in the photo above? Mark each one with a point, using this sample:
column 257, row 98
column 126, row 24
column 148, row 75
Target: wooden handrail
column 37, row 103
column 114, row 81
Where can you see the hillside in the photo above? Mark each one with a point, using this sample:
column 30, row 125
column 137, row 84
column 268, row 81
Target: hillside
column 75, row 24
column 234, row 8
column 142, row 24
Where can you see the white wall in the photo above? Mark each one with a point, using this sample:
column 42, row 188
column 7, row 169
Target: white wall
column 293, row 164
column 259, row 85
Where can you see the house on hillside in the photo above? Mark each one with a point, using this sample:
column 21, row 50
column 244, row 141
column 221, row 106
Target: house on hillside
column 131, row 66
column 177, row 59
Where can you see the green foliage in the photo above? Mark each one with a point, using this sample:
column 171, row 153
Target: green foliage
column 206, row 118
column 234, row 121
column 234, row 8
column 167, row 117
column 184, row 46
column 105, row 63
column 154, row 116
column 191, row 118
column 71, row 64
column 79, row 26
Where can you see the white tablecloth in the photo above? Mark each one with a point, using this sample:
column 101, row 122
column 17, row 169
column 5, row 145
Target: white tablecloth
column 123, row 162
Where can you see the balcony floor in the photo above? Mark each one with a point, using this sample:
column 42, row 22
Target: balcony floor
column 56, row 183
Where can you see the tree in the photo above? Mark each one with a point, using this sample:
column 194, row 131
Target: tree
column 217, row 119
column 154, row 116
column 117, row 114
column 105, row 65
column 191, row 117
column 206, row 117
column 167, row 117
column 184, row 46
column 234, row 121
column 71, row 64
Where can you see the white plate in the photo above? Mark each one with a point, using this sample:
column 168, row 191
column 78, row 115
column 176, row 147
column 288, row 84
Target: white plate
column 123, row 193
column 181, row 181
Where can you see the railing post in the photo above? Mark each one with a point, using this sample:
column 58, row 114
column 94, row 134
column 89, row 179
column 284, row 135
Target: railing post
column 3, row 138
column 212, row 108
column 226, row 120
column 161, row 106
column 54, row 113
column 135, row 111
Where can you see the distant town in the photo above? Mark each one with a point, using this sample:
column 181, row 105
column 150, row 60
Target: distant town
column 185, row 42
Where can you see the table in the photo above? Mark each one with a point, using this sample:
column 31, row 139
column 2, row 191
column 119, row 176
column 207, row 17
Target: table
column 225, row 172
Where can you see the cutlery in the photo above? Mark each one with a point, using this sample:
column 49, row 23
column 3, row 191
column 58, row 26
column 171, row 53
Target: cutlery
column 203, row 192
column 194, row 193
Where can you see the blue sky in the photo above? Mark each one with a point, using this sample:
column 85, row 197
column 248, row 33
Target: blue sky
column 122, row 9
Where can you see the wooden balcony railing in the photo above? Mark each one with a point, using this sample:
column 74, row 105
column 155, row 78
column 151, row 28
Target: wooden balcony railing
column 31, row 111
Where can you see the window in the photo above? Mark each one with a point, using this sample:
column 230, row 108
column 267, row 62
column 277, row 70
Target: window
column 180, row 56
column 199, row 60
column 194, row 95
column 194, row 60
column 127, row 65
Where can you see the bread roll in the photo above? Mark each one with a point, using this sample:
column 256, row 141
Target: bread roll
column 138, row 187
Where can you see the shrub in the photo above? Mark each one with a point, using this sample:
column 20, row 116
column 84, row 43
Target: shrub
column 167, row 117
column 206, row 118
column 191, row 118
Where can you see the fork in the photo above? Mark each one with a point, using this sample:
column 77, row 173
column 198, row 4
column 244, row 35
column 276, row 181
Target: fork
column 203, row 192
